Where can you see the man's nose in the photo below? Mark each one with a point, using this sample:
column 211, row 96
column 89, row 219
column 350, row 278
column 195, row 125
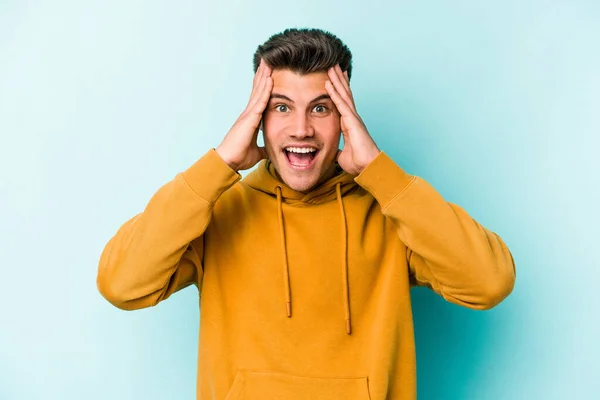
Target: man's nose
column 302, row 127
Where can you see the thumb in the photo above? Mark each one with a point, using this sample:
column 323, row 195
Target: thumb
column 263, row 153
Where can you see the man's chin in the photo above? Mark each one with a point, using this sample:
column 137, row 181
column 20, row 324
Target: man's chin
column 303, row 184
column 303, row 189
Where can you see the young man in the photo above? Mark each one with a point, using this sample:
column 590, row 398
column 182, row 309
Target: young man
column 303, row 267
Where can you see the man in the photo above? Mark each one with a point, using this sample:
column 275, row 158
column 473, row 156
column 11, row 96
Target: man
column 303, row 267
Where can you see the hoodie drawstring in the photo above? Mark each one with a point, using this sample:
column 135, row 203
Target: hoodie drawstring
column 286, row 267
column 345, row 282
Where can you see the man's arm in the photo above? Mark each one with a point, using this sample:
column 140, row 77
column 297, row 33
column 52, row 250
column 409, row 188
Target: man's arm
column 447, row 250
column 160, row 250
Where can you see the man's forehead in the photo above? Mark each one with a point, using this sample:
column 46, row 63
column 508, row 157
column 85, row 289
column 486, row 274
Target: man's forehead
column 294, row 87
column 288, row 78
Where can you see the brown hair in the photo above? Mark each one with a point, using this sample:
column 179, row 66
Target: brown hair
column 304, row 51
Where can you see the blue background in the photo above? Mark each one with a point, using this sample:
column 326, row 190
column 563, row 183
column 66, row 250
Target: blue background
column 494, row 103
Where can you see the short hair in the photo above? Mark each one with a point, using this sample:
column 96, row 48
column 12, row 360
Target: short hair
column 304, row 50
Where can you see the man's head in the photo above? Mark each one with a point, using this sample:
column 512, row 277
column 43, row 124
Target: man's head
column 301, row 125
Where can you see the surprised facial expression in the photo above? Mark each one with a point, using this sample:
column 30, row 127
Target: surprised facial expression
column 301, row 129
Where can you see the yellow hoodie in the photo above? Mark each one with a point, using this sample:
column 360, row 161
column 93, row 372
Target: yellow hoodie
column 304, row 296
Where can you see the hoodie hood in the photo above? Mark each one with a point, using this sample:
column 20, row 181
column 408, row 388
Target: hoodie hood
column 264, row 178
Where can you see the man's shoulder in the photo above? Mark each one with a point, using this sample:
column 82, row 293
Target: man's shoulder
column 236, row 196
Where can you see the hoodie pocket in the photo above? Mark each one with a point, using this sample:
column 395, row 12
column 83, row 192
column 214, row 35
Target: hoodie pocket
column 255, row 385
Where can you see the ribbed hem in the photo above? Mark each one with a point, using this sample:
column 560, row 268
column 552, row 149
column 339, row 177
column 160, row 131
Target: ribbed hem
column 210, row 176
column 384, row 179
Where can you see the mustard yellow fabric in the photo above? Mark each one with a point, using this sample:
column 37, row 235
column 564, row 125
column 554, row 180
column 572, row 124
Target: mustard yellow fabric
column 304, row 296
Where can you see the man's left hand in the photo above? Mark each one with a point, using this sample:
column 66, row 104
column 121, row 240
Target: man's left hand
column 359, row 147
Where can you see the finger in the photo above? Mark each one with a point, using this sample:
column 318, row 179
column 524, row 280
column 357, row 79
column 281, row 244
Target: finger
column 346, row 86
column 348, row 82
column 259, row 83
column 262, row 71
column 257, row 96
column 339, row 101
column 263, row 96
column 344, row 78
column 258, row 72
column 266, row 71
column 257, row 76
column 339, row 86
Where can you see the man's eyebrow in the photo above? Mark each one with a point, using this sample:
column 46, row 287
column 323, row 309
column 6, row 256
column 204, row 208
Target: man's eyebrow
column 284, row 97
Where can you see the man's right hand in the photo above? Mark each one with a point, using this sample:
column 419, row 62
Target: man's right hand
column 239, row 148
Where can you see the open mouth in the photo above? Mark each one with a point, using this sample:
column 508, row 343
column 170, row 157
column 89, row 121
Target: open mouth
column 300, row 158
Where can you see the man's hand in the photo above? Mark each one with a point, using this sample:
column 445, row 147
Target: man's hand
column 239, row 148
column 359, row 148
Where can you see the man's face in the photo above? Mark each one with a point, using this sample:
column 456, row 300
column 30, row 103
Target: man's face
column 301, row 128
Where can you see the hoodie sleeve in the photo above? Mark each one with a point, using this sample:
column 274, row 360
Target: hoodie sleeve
column 160, row 250
column 447, row 250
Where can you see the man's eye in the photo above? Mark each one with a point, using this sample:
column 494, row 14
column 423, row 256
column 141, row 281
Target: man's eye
column 322, row 107
column 279, row 106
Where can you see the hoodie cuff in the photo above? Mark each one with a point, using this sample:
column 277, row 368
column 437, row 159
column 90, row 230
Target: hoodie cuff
column 210, row 176
column 384, row 179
